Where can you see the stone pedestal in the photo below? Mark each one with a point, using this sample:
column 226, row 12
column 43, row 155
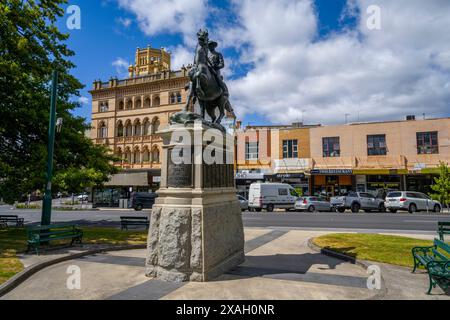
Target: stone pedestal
column 196, row 231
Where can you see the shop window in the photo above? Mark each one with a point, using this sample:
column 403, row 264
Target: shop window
column 290, row 149
column 427, row 143
column 376, row 145
column 331, row 147
column 251, row 150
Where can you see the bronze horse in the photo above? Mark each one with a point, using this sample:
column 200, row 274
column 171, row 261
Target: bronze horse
column 204, row 86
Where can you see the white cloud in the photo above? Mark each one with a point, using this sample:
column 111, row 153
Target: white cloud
column 181, row 55
column 83, row 100
column 171, row 16
column 125, row 22
column 379, row 74
column 121, row 66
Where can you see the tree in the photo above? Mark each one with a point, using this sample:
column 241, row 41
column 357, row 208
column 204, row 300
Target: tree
column 441, row 185
column 30, row 48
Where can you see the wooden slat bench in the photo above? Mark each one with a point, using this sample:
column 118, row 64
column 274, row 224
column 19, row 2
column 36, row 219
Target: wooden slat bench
column 133, row 221
column 6, row 219
column 436, row 260
column 443, row 228
column 45, row 234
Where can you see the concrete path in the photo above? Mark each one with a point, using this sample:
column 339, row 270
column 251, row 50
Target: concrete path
column 279, row 265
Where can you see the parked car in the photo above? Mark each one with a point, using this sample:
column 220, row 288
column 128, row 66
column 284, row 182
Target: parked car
column 270, row 196
column 312, row 204
column 356, row 201
column 83, row 197
column 243, row 202
column 143, row 200
column 411, row 201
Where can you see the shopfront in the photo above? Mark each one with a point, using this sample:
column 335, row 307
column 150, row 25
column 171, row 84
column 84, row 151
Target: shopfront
column 331, row 182
column 245, row 178
column 299, row 181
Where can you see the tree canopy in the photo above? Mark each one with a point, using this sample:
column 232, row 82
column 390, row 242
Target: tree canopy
column 31, row 46
column 441, row 186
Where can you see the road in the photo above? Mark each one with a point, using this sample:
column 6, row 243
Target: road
column 375, row 222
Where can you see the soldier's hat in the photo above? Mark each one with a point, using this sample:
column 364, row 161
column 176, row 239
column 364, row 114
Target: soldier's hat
column 212, row 44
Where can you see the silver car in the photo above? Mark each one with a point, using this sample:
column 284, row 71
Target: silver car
column 312, row 204
column 243, row 202
column 411, row 201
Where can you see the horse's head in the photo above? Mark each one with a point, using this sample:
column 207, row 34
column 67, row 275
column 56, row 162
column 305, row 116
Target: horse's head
column 202, row 36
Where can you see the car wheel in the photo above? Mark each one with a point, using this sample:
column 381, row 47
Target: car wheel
column 412, row 208
column 393, row 210
column 341, row 210
column 381, row 207
column 269, row 208
column 138, row 207
column 437, row 208
column 312, row 209
column 355, row 207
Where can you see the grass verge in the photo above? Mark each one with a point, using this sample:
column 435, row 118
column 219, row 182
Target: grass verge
column 374, row 247
column 14, row 240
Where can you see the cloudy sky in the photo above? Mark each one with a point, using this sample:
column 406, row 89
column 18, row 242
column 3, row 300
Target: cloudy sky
column 287, row 60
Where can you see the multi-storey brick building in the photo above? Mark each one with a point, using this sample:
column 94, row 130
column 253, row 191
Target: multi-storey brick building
column 126, row 114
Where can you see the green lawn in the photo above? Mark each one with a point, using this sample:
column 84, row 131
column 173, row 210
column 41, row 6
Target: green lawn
column 14, row 240
column 374, row 247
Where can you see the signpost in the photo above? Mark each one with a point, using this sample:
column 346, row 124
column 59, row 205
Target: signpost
column 47, row 202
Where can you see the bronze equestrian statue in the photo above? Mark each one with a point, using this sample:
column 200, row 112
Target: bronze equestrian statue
column 206, row 82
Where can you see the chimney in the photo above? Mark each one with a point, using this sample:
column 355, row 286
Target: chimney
column 410, row 117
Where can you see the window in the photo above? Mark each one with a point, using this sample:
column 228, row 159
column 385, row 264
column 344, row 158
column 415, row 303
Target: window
column 331, row 147
column 376, row 145
column 251, row 151
column 172, row 99
column 282, row 192
column 102, row 130
column 178, row 97
column 103, row 107
column 427, row 143
column 290, row 149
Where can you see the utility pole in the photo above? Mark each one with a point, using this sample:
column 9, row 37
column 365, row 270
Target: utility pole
column 47, row 202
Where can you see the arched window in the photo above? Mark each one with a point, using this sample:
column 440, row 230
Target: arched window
column 128, row 129
column 137, row 103
column 120, row 129
column 156, row 101
column 155, row 155
column 178, row 97
column 136, row 156
column 172, row 99
column 103, row 106
column 129, row 104
column 119, row 154
column 127, row 155
column 155, row 125
column 121, row 105
column 102, row 130
column 145, row 155
column 137, row 127
column 146, row 127
column 147, row 102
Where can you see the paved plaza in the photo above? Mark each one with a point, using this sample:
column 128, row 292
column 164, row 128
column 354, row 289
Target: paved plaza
column 279, row 265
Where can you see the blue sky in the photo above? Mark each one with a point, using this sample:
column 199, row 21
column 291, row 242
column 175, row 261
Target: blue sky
column 338, row 66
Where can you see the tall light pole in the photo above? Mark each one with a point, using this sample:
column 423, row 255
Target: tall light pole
column 47, row 202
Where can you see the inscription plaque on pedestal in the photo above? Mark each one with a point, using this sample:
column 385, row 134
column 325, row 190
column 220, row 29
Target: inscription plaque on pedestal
column 178, row 175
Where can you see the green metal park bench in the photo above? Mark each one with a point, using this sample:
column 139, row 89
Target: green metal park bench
column 39, row 235
column 443, row 228
column 5, row 220
column 125, row 222
column 436, row 261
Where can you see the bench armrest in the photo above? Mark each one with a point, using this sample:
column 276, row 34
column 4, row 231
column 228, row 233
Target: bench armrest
column 423, row 250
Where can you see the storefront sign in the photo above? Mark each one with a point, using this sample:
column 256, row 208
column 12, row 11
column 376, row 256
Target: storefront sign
column 332, row 171
column 290, row 175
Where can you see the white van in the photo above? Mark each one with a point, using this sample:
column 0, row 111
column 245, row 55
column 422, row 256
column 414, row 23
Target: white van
column 270, row 196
